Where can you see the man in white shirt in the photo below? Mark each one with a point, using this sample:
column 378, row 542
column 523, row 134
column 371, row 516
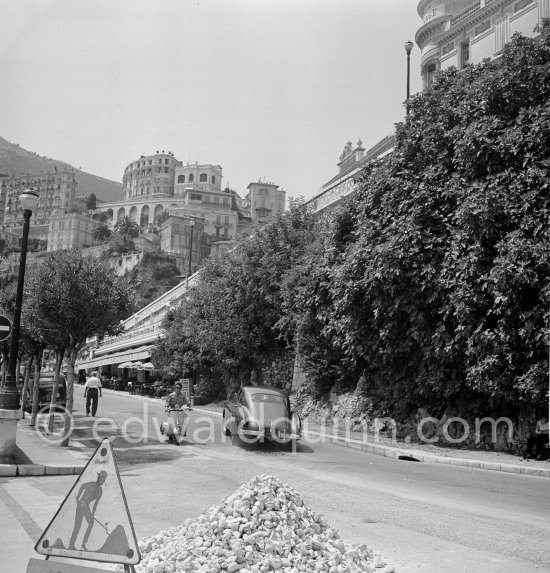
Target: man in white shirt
column 92, row 389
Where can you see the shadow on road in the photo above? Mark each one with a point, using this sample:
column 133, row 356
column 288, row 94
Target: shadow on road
column 270, row 448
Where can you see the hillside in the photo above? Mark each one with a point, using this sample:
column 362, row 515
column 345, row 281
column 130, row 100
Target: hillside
column 15, row 160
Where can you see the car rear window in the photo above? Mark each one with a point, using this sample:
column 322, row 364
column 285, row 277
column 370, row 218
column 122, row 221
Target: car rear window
column 272, row 398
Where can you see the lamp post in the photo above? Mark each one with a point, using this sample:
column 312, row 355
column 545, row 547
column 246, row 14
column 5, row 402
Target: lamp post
column 192, row 225
column 408, row 48
column 9, row 395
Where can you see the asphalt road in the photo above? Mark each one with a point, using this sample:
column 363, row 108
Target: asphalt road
column 418, row 516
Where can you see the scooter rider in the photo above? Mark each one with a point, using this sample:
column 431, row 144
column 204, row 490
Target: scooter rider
column 175, row 402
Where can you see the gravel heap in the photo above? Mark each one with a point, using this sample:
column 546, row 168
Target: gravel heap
column 263, row 526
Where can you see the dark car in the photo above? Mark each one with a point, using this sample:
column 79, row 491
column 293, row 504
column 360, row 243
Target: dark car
column 45, row 393
column 259, row 413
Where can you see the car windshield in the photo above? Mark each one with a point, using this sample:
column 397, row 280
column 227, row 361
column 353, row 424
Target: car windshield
column 272, row 398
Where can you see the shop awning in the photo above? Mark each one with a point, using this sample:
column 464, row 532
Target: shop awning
column 140, row 353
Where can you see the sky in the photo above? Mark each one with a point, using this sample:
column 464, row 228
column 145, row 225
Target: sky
column 268, row 89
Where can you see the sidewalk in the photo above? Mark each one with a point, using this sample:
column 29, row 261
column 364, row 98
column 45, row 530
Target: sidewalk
column 37, row 457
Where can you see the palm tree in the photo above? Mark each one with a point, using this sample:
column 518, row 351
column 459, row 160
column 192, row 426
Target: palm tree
column 101, row 232
column 127, row 228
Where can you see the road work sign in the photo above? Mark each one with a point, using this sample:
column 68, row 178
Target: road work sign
column 93, row 522
column 5, row 327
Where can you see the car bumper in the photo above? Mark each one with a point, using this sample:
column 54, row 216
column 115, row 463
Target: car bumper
column 270, row 435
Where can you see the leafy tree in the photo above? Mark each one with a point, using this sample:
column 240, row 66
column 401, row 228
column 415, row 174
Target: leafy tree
column 434, row 280
column 231, row 322
column 72, row 297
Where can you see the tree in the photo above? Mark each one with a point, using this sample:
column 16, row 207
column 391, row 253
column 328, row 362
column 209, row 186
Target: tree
column 91, row 202
column 232, row 320
column 71, row 298
column 127, row 228
column 101, row 232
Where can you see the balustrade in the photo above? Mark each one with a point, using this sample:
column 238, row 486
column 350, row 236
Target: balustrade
column 461, row 16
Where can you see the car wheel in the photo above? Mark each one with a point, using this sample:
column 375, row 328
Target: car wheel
column 226, row 430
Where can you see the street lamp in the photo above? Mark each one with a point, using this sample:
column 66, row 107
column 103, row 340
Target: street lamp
column 408, row 48
column 192, row 225
column 9, row 395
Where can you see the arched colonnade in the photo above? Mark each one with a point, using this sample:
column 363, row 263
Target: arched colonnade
column 143, row 214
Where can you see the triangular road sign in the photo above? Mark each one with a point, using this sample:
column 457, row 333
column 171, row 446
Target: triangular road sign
column 93, row 522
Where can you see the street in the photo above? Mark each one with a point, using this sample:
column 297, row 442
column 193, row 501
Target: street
column 418, row 516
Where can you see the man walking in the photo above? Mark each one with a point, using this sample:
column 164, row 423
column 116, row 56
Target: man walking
column 92, row 389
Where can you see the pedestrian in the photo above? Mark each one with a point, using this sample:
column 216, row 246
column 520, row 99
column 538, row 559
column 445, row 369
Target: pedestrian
column 92, row 391
column 538, row 439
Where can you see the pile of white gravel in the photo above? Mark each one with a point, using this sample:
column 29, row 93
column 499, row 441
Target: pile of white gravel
column 263, row 526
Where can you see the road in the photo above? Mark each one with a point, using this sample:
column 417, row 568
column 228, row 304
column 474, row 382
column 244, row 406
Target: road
column 420, row 517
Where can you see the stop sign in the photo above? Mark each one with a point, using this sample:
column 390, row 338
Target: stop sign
column 5, row 327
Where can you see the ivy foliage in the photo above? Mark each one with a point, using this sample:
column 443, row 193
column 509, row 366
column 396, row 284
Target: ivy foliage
column 434, row 280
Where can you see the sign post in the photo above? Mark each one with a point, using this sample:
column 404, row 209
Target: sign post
column 93, row 522
column 5, row 327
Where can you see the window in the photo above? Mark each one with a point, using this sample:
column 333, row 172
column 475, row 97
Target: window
column 271, row 398
column 181, row 178
column 464, row 54
column 166, row 161
column 213, row 180
column 166, row 170
column 430, row 74
column 203, row 177
column 207, row 198
column 195, row 197
column 225, row 201
column 191, row 178
column 216, row 200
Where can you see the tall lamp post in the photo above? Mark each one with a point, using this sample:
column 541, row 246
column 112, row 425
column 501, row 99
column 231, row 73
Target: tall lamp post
column 192, row 225
column 408, row 48
column 9, row 395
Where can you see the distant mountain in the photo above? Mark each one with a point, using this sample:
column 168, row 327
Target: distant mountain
column 15, row 160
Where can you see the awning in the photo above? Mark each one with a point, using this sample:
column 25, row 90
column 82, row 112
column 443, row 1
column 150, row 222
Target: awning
column 129, row 355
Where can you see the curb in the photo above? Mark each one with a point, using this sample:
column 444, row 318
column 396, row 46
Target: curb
column 393, row 452
column 27, row 470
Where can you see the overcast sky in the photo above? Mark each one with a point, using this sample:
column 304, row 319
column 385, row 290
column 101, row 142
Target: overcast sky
column 269, row 89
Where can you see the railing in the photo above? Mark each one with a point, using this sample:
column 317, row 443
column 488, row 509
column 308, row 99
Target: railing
column 472, row 9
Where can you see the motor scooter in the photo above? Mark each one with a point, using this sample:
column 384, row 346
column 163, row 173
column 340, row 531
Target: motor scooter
column 175, row 428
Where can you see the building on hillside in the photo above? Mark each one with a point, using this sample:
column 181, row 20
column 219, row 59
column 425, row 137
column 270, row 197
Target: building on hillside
column 264, row 200
column 195, row 191
column 463, row 32
column 180, row 234
column 69, row 230
column 56, row 190
column 199, row 191
column 150, row 175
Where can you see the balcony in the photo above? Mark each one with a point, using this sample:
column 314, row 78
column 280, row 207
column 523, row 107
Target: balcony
column 466, row 13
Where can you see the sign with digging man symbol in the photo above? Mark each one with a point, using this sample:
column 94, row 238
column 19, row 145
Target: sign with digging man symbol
column 93, row 522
